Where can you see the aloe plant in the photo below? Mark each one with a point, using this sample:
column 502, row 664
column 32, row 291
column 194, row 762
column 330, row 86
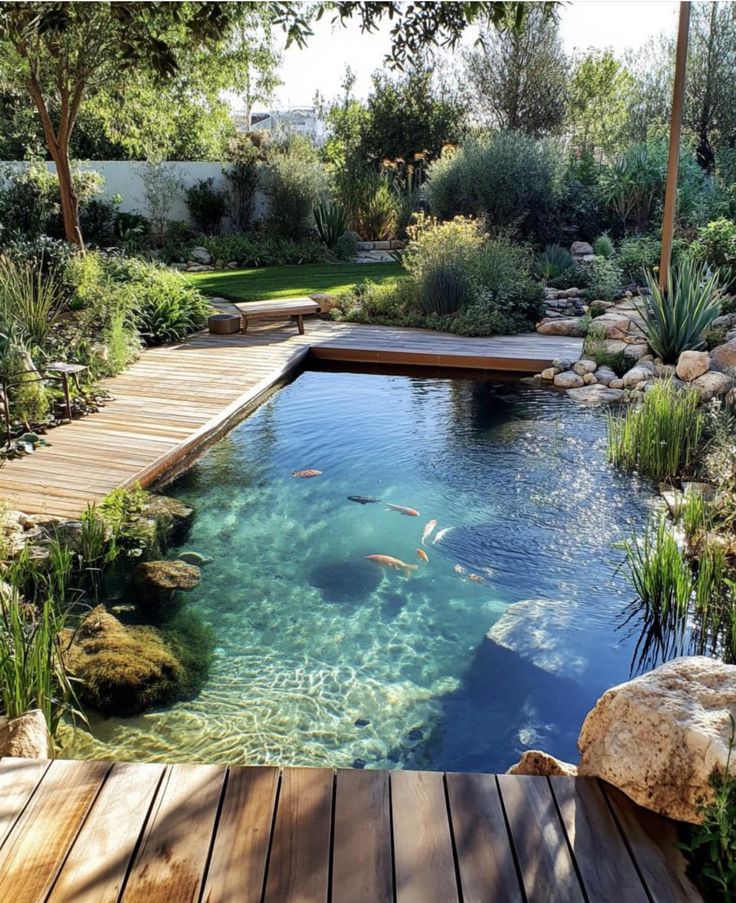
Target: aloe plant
column 331, row 220
column 675, row 319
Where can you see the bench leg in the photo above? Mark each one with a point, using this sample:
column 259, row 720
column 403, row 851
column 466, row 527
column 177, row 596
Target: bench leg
column 244, row 327
column 300, row 324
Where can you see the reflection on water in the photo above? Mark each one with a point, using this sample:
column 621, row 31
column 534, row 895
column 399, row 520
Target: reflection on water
column 325, row 658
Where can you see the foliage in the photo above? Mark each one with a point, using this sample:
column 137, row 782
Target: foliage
column 179, row 239
column 293, row 182
column 604, row 279
column 637, row 255
column 331, row 220
column 29, row 303
column 712, row 844
column 262, row 250
column 603, row 247
column 505, row 177
column 445, row 289
column 97, row 220
column 675, row 320
column 242, row 176
column 632, row 185
column 161, row 185
column 44, row 255
column 716, row 244
column 660, row 438
column 554, row 262
column 32, row 674
column 206, row 205
column 516, row 79
column 371, row 204
column 599, row 96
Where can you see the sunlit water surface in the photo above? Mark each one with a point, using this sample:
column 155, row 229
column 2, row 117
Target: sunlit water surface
column 323, row 658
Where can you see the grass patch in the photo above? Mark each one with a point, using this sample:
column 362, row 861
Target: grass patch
column 265, row 283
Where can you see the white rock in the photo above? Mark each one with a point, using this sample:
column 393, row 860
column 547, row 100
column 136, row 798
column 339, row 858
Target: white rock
column 636, row 375
column 200, row 255
column 541, row 764
column 550, row 373
column 596, row 394
column 26, row 737
column 605, row 375
column 658, row 737
column 617, row 383
column 584, row 366
column 589, row 379
column 568, row 380
column 692, row 364
column 581, row 248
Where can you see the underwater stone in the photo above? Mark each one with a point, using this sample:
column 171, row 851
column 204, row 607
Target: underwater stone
column 362, row 722
column 195, row 558
column 359, row 763
column 416, row 733
column 166, row 577
column 659, row 737
column 342, row 581
column 122, row 670
column 173, row 518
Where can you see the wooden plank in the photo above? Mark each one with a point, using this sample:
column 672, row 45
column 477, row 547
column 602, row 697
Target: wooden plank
column 42, row 836
column 96, row 867
column 170, row 864
column 362, row 869
column 238, row 865
column 546, row 866
column 484, row 855
column 298, row 869
column 605, row 865
column 18, row 779
column 423, row 853
column 651, row 840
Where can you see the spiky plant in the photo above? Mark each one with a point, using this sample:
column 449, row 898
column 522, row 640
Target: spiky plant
column 331, row 220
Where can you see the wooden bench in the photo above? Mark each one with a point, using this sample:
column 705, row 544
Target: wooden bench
column 294, row 308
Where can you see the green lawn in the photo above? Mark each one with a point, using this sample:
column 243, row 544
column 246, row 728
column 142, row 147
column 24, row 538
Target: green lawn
column 264, row 283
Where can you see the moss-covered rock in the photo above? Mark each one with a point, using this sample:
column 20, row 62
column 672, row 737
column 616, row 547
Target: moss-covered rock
column 172, row 518
column 159, row 584
column 123, row 670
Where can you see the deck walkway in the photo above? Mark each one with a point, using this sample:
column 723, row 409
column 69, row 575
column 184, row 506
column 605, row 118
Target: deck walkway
column 178, row 397
column 96, row 832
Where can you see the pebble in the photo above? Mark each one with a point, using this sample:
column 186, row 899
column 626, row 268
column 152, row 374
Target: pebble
column 362, row 722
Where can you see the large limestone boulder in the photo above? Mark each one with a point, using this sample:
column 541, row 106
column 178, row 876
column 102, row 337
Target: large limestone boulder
column 160, row 583
column 567, row 326
column 712, row 384
column 541, row 764
column 723, row 358
column 581, row 249
column 692, row 364
column 26, row 737
column 568, row 380
column 122, row 670
column 658, row 737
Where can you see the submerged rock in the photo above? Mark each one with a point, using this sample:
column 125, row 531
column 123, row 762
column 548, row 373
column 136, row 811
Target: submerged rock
column 26, row 737
column 541, row 764
column 345, row 582
column 568, row 380
column 196, row 558
column 596, row 394
column 122, row 670
column 172, row 517
column 659, row 737
column 160, row 582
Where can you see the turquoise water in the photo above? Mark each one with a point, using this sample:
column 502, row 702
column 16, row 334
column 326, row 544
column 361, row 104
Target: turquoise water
column 326, row 658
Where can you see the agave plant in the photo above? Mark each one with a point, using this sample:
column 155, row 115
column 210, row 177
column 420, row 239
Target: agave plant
column 555, row 261
column 675, row 319
column 331, row 220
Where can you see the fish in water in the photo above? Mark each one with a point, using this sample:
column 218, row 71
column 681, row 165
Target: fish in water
column 309, row 472
column 388, row 561
column 423, row 555
column 476, row 578
column 429, row 526
column 440, row 535
column 363, row 499
column 459, row 569
column 402, row 509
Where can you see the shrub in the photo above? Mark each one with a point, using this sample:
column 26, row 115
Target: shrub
column 372, row 205
column 346, row 246
column 632, row 186
column 555, row 261
column 331, row 220
column 44, row 255
column 97, row 221
column 29, row 303
column 456, row 242
column 178, row 241
column 716, row 244
column 206, row 205
column 445, row 289
column 243, row 180
column 660, row 438
column 251, row 250
column 293, row 183
column 604, row 279
column 676, row 319
column 603, row 247
column 507, row 178
column 638, row 255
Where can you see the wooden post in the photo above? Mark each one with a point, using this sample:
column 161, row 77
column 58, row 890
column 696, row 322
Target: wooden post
column 673, row 163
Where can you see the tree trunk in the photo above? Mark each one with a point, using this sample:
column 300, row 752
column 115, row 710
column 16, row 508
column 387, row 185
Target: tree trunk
column 69, row 199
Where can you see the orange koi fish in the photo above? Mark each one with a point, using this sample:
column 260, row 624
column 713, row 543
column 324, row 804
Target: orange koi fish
column 388, row 561
column 476, row 578
column 423, row 555
column 429, row 526
column 309, row 472
column 402, row 509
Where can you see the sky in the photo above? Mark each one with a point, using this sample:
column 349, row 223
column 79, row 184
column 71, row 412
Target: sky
column 620, row 24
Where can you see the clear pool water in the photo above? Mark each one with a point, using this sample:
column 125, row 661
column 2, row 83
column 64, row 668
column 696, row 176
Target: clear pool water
column 323, row 657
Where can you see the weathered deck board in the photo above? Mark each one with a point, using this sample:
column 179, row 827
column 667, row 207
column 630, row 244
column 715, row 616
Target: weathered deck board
column 177, row 398
column 86, row 831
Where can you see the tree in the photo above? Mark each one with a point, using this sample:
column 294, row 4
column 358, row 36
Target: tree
column 599, row 97
column 516, row 79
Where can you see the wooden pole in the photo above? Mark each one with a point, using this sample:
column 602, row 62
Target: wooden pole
column 673, row 162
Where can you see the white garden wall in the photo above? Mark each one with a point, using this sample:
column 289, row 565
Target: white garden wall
column 124, row 177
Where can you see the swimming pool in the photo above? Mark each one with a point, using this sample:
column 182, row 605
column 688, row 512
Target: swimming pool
column 500, row 642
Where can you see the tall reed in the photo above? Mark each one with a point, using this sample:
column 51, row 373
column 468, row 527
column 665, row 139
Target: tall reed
column 660, row 437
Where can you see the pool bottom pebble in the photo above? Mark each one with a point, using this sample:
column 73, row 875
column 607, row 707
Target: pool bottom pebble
column 500, row 641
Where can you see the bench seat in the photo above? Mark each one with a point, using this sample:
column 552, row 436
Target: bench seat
column 289, row 308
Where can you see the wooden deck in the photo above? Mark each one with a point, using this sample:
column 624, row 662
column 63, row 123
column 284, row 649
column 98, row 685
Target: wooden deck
column 177, row 398
column 95, row 832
